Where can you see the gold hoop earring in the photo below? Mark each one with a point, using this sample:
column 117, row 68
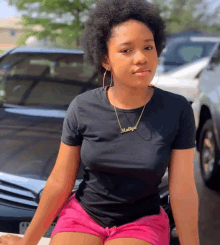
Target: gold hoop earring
column 111, row 80
column 104, row 80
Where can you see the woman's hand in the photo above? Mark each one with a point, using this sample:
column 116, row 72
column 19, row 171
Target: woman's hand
column 10, row 240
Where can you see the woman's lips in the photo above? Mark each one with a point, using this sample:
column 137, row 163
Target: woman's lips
column 142, row 73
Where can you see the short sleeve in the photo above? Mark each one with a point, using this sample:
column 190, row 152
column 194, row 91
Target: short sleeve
column 186, row 136
column 70, row 133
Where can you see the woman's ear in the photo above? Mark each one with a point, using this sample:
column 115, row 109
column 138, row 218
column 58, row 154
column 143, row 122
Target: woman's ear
column 106, row 63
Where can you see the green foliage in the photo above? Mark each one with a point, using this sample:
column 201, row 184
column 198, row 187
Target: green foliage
column 62, row 21
column 23, row 38
column 182, row 15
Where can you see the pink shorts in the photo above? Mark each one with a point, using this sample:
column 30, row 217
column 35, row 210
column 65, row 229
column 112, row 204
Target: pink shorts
column 154, row 229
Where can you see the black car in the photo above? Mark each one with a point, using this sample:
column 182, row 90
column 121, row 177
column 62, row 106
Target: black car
column 36, row 88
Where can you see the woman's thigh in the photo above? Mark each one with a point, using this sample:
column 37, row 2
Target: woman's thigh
column 127, row 241
column 75, row 238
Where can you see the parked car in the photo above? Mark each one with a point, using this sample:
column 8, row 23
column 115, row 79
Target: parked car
column 182, row 63
column 36, row 88
column 207, row 116
column 180, row 51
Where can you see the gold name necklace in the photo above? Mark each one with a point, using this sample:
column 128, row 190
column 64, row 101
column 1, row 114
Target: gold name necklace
column 125, row 130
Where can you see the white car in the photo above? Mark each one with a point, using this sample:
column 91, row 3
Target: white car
column 182, row 64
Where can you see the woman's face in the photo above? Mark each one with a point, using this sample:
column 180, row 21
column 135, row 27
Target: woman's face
column 131, row 47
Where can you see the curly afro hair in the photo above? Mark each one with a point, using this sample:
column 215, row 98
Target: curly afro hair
column 110, row 13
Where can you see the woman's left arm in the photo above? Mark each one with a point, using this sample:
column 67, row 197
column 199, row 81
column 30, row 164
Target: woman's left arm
column 183, row 195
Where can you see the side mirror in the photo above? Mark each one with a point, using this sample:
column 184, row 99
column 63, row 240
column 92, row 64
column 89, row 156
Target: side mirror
column 215, row 59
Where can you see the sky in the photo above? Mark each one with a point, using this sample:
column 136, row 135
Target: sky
column 214, row 4
column 8, row 11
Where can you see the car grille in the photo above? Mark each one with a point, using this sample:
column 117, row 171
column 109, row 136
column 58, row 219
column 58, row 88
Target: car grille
column 17, row 196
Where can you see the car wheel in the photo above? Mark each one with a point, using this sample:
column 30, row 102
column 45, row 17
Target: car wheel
column 173, row 233
column 174, row 240
column 209, row 156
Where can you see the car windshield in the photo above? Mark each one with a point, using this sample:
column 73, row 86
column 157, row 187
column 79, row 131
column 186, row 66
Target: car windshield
column 61, row 76
column 179, row 53
column 35, row 92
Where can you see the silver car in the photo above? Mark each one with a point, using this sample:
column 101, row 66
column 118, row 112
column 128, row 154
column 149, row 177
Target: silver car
column 182, row 64
column 207, row 116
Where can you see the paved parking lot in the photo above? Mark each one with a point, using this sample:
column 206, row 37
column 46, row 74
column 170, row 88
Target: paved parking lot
column 209, row 210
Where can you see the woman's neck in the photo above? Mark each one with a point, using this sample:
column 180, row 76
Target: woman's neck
column 129, row 98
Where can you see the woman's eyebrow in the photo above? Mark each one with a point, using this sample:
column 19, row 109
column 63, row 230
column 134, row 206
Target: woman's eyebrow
column 127, row 43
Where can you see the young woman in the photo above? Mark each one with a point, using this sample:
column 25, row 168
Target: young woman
column 126, row 135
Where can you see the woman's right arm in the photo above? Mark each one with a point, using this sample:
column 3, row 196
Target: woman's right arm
column 56, row 192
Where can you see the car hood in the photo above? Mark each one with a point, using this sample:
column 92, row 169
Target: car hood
column 185, row 87
column 30, row 140
column 182, row 80
column 189, row 70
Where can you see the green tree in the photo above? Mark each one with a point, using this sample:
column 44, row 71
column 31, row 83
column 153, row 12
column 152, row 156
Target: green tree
column 61, row 21
column 183, row 15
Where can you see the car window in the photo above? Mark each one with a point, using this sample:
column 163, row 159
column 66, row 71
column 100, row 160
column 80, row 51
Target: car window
column 189, row 53
column 210, row 76
column 180, row 53
column 214, row 64
column 49, row 65
column 43, row 79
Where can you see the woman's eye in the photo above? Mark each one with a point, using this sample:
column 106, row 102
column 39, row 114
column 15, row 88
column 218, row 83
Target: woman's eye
column 125, row 51
column 149, row 47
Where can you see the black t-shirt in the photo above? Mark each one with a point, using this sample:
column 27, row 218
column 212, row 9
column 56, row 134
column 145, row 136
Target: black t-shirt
column 123, row 171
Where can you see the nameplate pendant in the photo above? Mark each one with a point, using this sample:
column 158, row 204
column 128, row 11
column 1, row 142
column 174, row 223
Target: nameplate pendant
column 125, row 130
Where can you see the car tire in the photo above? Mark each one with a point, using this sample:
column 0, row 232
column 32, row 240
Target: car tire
column 209, row 156
column 174, row 240
column 173, row 234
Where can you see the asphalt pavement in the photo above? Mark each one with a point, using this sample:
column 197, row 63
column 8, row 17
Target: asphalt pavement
column 209, row 210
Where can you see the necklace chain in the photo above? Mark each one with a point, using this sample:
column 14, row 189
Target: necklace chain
column 125, row 130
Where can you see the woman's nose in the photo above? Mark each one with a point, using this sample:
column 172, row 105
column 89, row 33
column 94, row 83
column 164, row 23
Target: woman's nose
column 140, row 57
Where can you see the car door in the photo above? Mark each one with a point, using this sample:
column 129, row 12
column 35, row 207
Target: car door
column 213, row 72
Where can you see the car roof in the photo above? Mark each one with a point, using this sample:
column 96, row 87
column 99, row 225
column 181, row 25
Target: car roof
column 196, row 38
column 204, row 39
column 44, row 50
